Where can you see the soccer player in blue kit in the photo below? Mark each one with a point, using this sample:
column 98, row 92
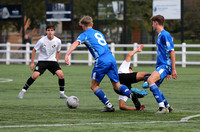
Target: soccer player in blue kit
column 165, row 66
column 105, row 62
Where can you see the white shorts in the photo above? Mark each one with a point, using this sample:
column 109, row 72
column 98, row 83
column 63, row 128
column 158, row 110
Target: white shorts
column 124, row 98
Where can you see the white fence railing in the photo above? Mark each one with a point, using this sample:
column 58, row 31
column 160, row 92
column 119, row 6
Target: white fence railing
column 13, row 53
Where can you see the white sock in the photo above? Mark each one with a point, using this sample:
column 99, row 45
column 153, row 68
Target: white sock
column 131, row 95
column 62, row 92
column 161, row 104
column 23, row 90
column 109, row 105
column 168, row 106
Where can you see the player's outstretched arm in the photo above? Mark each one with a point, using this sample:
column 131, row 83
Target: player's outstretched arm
column 72, row 47
column 32, row 59
column 130, row 54
column 122, row 106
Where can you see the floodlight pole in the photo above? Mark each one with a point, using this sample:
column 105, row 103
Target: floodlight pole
column 23, row 21
column 97, row 11
column 124, row 31
column 72, row 21
column 182, row 21
column 125, row 23
column 0, row 27
column 153, row 42
column 0, row 30
column 46, row 10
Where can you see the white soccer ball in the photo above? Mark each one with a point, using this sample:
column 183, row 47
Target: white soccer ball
column 72, row 102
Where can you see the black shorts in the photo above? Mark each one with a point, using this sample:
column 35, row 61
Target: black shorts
column 52, row 66
column 128, row 78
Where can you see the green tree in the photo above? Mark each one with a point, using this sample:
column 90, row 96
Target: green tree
column 192, row 23
column 138, row 13
column 33, row 9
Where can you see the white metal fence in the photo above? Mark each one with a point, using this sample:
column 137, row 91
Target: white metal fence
column 189, row 54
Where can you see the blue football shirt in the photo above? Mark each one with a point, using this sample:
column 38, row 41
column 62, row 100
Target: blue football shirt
column 95, row 42
column 164, row 46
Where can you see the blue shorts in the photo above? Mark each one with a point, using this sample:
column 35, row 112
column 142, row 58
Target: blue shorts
column 105, row 64
column 163, row 70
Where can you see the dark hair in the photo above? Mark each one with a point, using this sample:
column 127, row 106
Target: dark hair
column 50, row 26
column 159, row 18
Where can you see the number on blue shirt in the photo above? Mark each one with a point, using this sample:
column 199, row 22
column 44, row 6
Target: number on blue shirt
column 100, row 39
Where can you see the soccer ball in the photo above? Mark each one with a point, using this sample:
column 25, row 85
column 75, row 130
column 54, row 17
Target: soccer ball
column 72, row 102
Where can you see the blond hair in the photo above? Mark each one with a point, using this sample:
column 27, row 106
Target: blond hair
column 86, row 21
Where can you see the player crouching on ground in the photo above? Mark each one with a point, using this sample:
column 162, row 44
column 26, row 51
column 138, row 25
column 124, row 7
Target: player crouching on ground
column 49, row 47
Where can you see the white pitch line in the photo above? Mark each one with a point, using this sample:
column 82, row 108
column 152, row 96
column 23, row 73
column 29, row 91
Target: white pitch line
column 185, row 119
column 5, row 80
column 53, row 125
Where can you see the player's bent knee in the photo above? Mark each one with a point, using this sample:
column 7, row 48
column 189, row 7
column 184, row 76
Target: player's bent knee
column 94, row 88
column 61, row 76
column 35, row 75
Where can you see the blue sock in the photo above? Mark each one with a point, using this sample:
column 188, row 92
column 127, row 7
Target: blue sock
column 124, row 89
column 100, row 94
column 156, row 92
column 164, row 99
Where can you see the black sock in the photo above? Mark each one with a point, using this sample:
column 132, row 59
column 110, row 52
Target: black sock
column 61, row 84
column 146, row 77
column 28, row 83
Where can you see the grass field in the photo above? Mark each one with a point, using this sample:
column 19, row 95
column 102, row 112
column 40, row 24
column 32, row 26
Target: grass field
column 42, row 110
